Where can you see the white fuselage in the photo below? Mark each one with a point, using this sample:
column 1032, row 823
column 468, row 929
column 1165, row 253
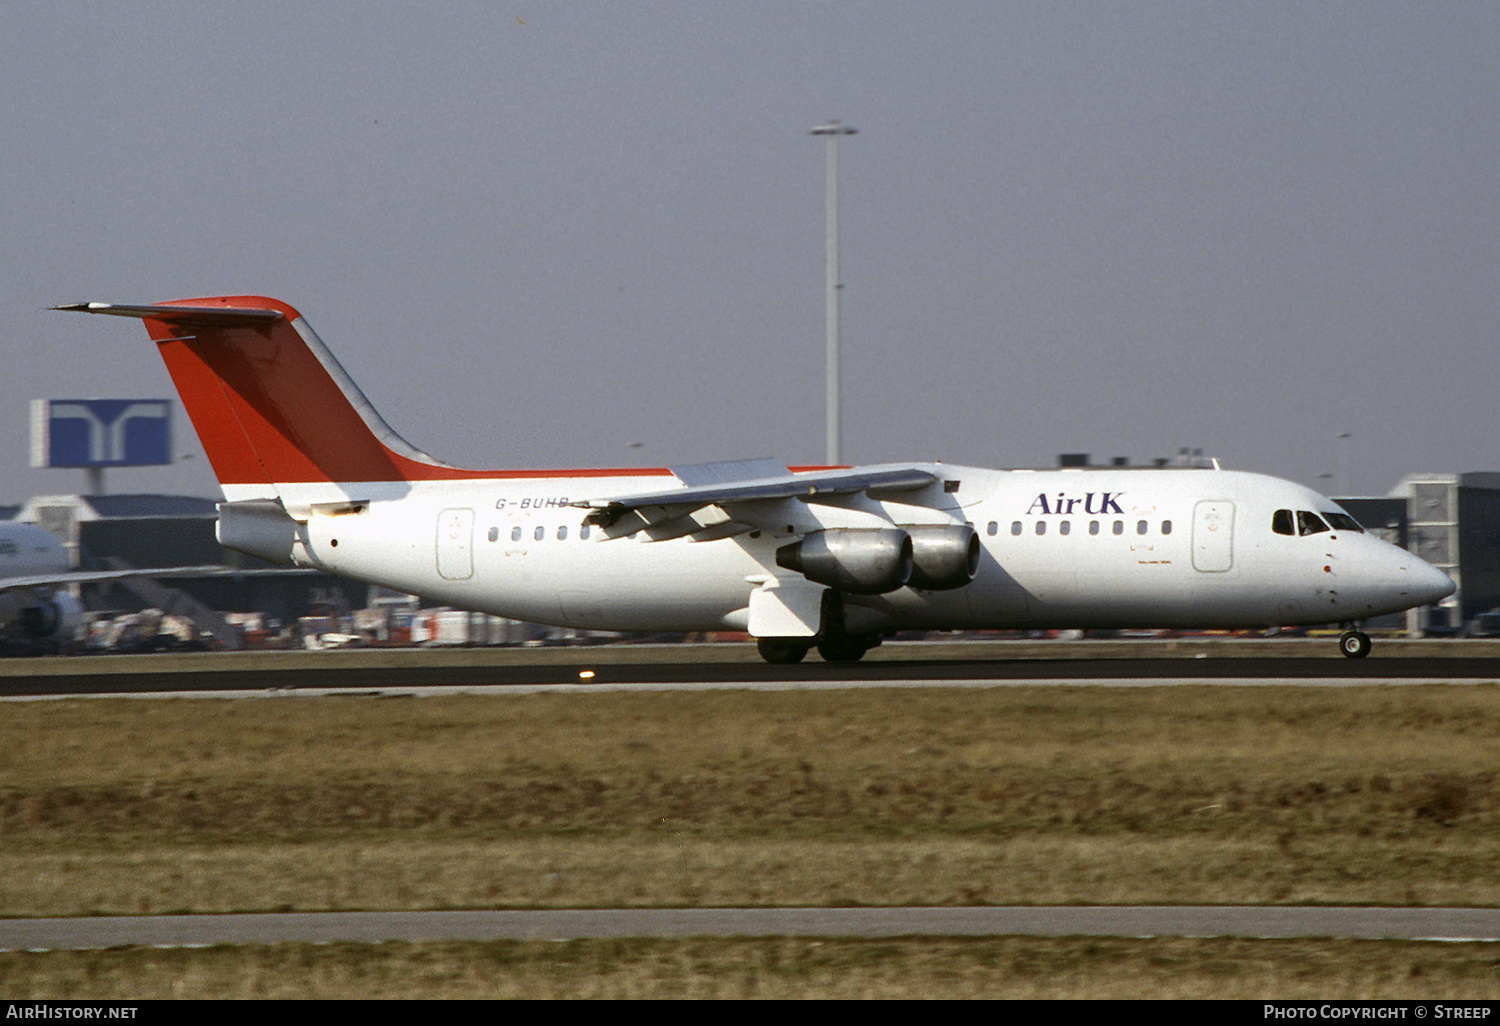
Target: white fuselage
column 1066, row 548
column 33, row 563
column 28, row 551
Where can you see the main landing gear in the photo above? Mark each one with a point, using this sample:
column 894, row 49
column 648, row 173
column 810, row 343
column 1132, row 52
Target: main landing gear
column 783, row 651
column 834, row 648
column 1354, row 644
column 835, row 643
column 846, row 648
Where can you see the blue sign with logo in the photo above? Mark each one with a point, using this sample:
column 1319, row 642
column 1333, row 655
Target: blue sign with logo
column 101, row 432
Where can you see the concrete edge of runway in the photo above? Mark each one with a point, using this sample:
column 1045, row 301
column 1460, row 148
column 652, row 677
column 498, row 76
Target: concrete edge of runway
column 1143, row 921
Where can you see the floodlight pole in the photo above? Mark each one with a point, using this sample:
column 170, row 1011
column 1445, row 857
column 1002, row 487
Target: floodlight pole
column 1344, row 437
column 833, row 130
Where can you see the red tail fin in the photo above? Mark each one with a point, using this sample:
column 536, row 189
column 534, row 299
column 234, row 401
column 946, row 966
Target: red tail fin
column 270, row 403
column 272, row 406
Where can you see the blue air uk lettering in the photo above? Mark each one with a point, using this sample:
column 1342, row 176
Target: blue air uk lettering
column 1064, row 506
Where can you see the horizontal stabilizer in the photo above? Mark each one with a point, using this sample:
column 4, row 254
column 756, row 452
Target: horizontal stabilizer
column 178, row 314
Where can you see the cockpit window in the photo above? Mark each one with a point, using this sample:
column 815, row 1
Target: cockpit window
column 1343, row 522
column 1309, row 523
column 1281, row 522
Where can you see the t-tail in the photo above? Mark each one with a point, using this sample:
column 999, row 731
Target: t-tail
column 271, row 405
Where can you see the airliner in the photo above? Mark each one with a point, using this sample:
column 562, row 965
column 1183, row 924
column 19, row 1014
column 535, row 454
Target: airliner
column 832, row 558
column 33, row 614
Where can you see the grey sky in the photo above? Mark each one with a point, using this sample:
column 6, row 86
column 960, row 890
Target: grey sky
column 536, row 232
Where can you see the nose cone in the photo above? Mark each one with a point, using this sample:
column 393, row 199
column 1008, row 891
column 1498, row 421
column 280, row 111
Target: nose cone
column 1429, row 584
column 1399, row 580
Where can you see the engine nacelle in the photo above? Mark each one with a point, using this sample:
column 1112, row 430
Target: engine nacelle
column 258, row 527
column 859, row 561
column 46, row 618
column 943, row 556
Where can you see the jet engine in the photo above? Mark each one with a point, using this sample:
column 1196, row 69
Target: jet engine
column 943, row 556
column 859, row 561
column 259, row 527
column 34, row 618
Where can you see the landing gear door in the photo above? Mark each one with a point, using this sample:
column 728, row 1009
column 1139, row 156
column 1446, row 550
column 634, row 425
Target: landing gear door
column 786, row 607
column 1213, row 536
column 455, row 544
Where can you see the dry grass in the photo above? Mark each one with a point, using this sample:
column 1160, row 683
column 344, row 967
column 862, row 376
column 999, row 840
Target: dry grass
column 1005, row 967
column 1006, row 795
column 649, row 872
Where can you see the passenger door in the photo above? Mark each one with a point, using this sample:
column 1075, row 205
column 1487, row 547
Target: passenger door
column 455, row 544
column 1213, row 536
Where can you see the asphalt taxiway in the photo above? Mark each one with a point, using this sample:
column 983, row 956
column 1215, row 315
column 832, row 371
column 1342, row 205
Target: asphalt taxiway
column 1223, row 661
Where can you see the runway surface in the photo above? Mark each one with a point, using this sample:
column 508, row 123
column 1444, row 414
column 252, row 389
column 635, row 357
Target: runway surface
column 1447, row 924
column 672, row 666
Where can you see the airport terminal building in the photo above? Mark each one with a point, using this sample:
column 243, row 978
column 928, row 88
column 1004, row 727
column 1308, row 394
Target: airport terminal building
column 1453, row 522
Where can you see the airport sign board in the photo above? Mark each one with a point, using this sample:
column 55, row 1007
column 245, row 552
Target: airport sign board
column 101, row 432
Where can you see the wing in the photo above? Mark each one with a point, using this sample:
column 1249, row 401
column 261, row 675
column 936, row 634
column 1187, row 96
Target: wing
column 744, row 494
column 162, row 573
column 886, row 551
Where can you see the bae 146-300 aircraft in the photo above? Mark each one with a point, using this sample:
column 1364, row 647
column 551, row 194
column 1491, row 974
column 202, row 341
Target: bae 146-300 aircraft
column 800, row 557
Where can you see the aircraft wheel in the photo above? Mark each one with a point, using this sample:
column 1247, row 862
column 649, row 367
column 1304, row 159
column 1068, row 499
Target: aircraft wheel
column 782, row 650
column 843, row 648
column 1354, row 644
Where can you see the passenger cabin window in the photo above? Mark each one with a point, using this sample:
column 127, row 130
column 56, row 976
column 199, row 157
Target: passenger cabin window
column 1140, row 527
column 540, row 533
column 1093, row 527
column 562, row 534
column 1015, row 528
column 1281, row 522
column 1166, row 527
column 1119, row 527
column 1064, row 527
column 583, row 533
column 1309, row 523
column 994, row 528
column 494, row 534
column 1041, row 527
column 515, row 534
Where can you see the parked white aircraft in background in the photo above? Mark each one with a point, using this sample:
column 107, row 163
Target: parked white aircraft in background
column 799, row 557
column 32, row 612
column 36, row 615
